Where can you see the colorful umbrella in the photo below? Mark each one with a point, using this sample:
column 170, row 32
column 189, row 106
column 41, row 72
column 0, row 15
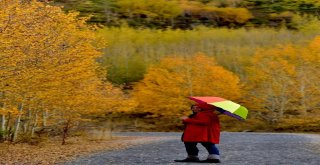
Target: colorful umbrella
column 227, row 107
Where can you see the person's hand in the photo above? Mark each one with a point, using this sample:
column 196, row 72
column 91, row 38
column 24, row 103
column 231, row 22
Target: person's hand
column 183, row 117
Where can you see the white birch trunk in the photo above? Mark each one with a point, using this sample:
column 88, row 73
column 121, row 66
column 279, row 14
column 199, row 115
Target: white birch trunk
column 190, row 84
column 302, row 91
column 34, row 124
column 3, row 122
column 45, row 115
column 3, row 117
column 3, row 126
column 16, row 130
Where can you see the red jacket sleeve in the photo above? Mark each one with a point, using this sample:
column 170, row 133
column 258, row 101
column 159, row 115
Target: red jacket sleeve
column 199, row 120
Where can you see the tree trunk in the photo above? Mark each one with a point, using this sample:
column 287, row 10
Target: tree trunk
column 172, row 22
column 302, row 91
column 26, row 124
column 45, row 115
column 8, row 121
column 3, row 122
column 190, row 84
column 3, row 118
column 34, row 124
column 283, row 101
column 16, row 130
column 3, row 126
column 65, row 132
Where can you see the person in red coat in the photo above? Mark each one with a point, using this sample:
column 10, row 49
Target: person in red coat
column 201, row 127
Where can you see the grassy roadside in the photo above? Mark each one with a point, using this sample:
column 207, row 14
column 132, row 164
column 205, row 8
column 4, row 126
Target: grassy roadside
column 52, row 152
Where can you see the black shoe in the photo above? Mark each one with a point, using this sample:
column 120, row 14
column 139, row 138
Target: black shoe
column 188, row 160
column 211, row 161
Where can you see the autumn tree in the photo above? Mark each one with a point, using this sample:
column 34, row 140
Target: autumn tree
column 284, row 81
column 49, row 75
column 210, row 14
column 272, row 82
column 166, row 86
column 100, row 11
column 149, row 13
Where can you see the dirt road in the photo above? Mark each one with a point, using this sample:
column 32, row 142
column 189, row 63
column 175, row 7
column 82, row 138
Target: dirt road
column 235, row 149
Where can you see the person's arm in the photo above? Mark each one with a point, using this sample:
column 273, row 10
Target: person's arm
column 202, row 120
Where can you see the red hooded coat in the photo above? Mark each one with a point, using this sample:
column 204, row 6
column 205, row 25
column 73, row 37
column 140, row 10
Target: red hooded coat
column 203, row 127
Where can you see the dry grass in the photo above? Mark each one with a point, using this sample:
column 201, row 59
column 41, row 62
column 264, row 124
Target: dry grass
column 52, row 152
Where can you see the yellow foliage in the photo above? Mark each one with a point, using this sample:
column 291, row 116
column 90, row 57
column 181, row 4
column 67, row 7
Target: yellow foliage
column 235, row 15
column 48, row 63
column 300, row 124
column 151, row 9
column 191, row 7
column 282, row 16
column 166, row 86
column 285, row 81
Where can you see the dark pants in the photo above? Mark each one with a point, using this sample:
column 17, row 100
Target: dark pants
column 193, row 150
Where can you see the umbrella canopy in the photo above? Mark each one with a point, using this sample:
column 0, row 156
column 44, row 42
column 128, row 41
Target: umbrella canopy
column 227, row 107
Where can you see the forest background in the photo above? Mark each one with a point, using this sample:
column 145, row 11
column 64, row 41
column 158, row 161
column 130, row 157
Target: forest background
column 131, row 64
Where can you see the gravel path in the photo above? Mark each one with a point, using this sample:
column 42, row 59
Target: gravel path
column 235, row 149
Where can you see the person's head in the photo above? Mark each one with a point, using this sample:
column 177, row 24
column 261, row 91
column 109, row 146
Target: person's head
column 195, row 108
column 206, row 107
